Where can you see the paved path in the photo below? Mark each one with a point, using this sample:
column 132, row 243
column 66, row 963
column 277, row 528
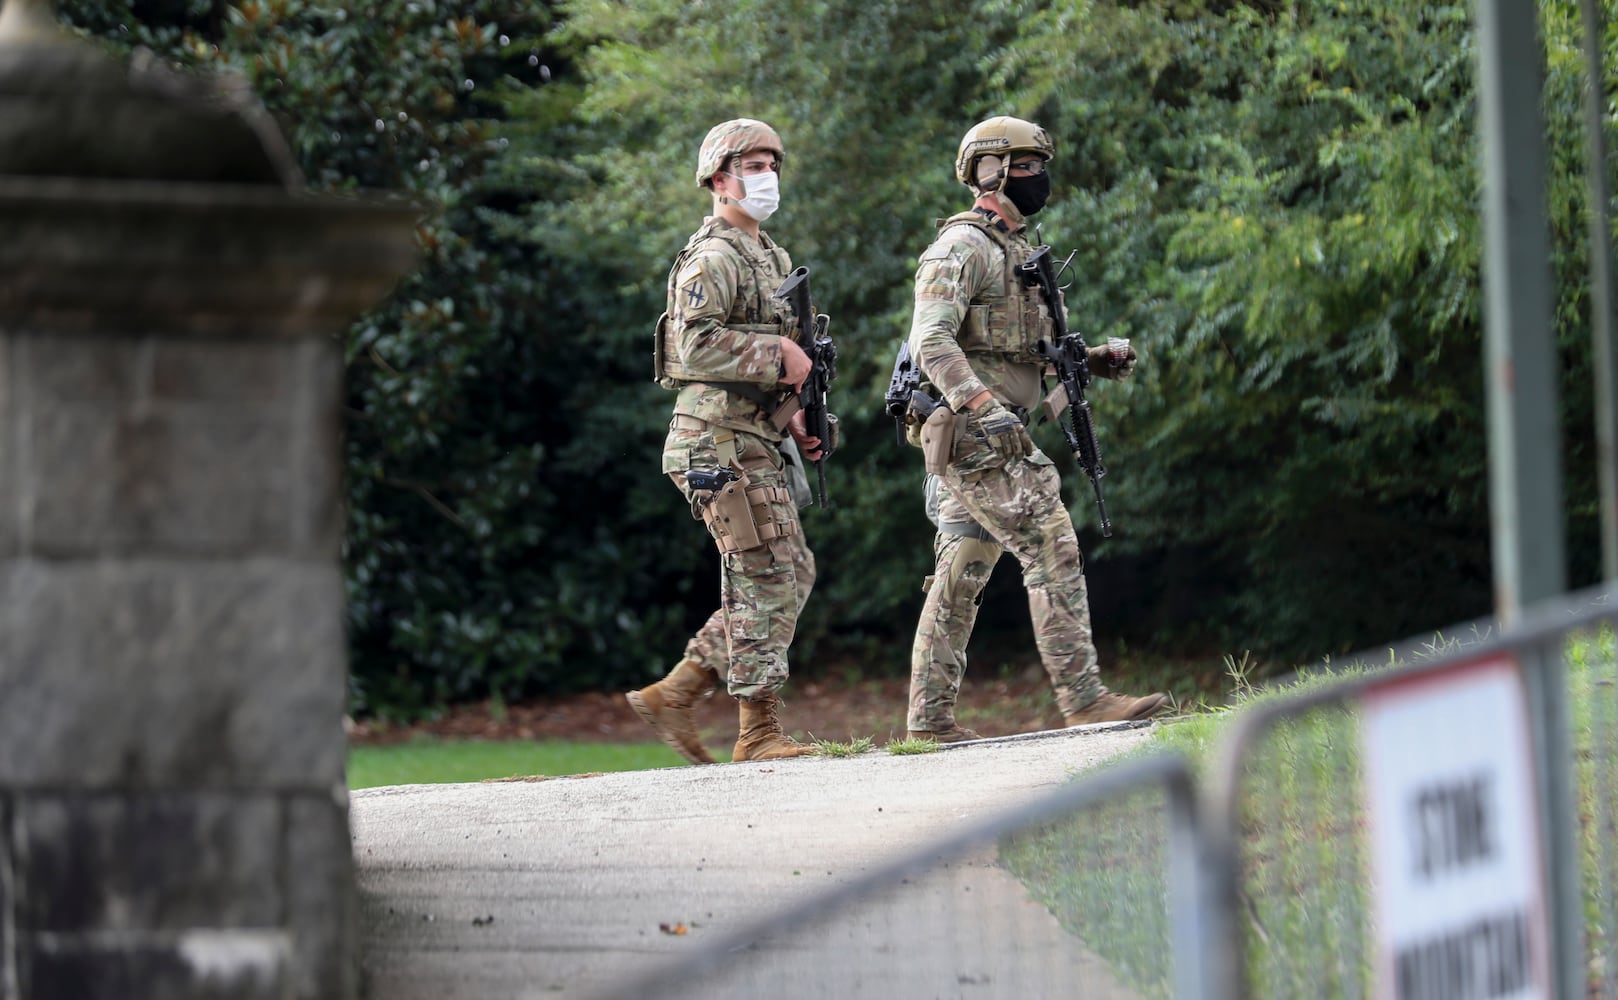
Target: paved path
column 569, row 887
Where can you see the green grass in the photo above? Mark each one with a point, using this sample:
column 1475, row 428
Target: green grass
column 855, row 746
column 431, row 761
column 912, row 745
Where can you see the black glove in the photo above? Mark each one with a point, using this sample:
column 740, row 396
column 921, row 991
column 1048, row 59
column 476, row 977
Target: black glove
column 1000, row 429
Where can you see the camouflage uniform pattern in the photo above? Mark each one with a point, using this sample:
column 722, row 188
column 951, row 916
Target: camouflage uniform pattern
column 1018, row 501
column 961, row 569
column 726, row 332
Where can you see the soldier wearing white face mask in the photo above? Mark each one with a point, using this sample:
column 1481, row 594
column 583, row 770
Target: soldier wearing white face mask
column 725, row 344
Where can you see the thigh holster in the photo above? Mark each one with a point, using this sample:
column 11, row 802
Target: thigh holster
column 742, row 516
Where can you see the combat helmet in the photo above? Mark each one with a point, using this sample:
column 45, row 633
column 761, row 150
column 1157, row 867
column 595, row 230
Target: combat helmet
column 732, row 138
column 1001, row 136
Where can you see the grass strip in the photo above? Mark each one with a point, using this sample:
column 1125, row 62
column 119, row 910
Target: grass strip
column 427, row 761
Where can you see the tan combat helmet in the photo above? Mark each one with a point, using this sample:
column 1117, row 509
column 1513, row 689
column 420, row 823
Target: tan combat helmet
column 733, row 138
column 1000, row 138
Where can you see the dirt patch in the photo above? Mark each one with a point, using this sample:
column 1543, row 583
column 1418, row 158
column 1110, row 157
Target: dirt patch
column 995, row 706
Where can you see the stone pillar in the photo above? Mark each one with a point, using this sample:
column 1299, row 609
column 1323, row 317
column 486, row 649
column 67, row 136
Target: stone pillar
column 173, row 804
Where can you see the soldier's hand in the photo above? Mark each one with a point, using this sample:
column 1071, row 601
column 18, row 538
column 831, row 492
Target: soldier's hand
column 1107, row 365
column 1000, row 429
column 807, row 443
column 795, row 364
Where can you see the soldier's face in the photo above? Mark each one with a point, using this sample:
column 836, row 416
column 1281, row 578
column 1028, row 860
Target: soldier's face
column 757, row 162
column 746, row 165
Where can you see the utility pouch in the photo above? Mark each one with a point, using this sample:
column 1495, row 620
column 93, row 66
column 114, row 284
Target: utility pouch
column 938, row 439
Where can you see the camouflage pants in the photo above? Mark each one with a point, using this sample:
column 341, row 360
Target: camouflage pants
column 961, row 569
column 761, row 589
column 1020, row 503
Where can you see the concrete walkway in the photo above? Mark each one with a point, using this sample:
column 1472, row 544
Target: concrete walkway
column 585, row 886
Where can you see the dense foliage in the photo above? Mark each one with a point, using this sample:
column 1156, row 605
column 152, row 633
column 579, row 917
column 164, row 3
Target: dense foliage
column 1277, row 203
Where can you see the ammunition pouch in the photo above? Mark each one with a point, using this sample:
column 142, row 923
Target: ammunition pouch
column 742, row 516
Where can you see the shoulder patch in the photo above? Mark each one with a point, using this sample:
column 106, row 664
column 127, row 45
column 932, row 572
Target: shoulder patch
column 938, row 251
column 691, row 290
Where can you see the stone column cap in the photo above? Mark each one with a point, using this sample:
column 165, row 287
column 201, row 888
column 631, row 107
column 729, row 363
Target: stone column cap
column 211, row 259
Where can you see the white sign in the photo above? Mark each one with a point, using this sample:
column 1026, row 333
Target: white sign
column 1454, row 817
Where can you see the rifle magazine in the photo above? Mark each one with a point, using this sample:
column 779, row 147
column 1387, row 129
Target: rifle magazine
column 1056, row 403
column 784, row 413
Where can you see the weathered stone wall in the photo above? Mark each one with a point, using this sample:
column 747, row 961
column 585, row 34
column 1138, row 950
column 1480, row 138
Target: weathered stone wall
column 173, row 807
column 171, row 667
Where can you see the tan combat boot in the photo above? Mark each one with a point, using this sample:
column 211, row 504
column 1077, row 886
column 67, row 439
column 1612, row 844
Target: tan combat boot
column 954, row 734
column 1112, row 707
column 666, row 707
column 761, row 736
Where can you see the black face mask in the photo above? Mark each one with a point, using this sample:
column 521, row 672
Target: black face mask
column 1029, row 194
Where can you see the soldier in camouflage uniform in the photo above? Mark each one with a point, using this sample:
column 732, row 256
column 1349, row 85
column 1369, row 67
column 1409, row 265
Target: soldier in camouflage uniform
column 974, row 334
column 725, row 345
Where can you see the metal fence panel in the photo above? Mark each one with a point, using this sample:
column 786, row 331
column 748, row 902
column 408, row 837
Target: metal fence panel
column 1592, row 677
column 1286, row 812
column 1304, row 859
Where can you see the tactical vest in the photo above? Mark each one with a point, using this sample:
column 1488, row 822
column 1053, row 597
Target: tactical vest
column 762, row 314
column 1011, row 319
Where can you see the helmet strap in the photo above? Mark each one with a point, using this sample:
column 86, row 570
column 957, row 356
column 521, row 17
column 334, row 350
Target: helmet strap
column 724, row 168
column 1007, row 211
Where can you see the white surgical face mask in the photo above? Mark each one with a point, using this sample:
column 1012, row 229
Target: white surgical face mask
column 763, row 194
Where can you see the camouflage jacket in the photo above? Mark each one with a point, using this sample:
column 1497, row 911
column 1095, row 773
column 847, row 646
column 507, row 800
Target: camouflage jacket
column 976, row 324
column 720, row 341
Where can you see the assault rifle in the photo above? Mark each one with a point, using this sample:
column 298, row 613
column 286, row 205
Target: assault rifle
column 1066, row 353
column 816, row 343
column 904, row 391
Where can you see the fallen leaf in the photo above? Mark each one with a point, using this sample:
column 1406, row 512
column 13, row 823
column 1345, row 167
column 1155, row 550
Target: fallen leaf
column 676, row 929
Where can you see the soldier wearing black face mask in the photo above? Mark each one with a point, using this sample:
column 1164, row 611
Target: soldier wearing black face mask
column 974, row 335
